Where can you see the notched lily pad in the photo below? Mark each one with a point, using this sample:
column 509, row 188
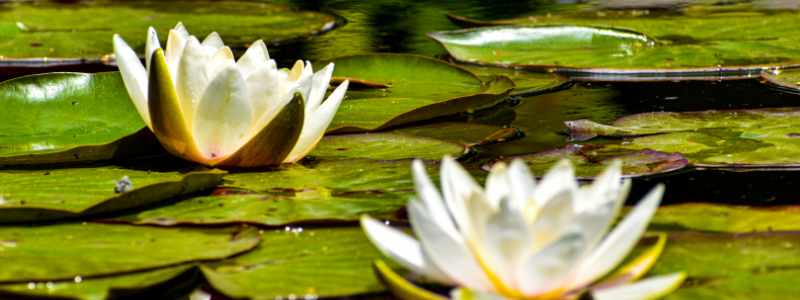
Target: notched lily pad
column 304, row 262
column 64, row 251
column 385, row 146
column 84, row 29
column 528, row 83
column 60, row 118
column 442, row 89
column 589, row 163
column 48, row 194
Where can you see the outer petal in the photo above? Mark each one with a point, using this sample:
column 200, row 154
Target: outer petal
column 169, row 125
column 637, row 267
column 457, row 187
column 175, row 42
column 452, row 256
column 254, row 57
column 262, row 149
column 134, row 75
column 560, row 177
column 319, row 86
column 543, row 272
column 648, row 289
column 400, row 247
column 224, row 116
column 522, row 184
column 315, row 126
column 212, row 43
column 151, row 45
column 606, row 188
column 432, row 200
column 192, row 80
column 497, row 185
column 264, row 88
column 507, row 239
column 616, row 245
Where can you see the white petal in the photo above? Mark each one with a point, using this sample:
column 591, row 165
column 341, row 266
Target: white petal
column 507, row 238
column 304, row 82
column 402, row 248
column 650, row 288
column 134, row 75
column 176, row 41
column 270, row 114
column 617, row 244
column 544, row 271
column 457, row 187
column 151, row 46
column 431, row 198
column 219, row 61
column 224, row 115
column 316, row 123
column 319, row 86
column 192, row 80
column 552, row 220
column 522, row 184
column 199, row 294
column 452, row 256
column 606, row 188
column 497, row 185
column 264, row 86
column 560, row 177
column 255, row 56
column 212, row 43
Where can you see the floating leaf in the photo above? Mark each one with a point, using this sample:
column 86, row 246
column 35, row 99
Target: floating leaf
column 588, row 164
column 64, row 251
column 442, row 89
column 61, row 118
column 788, row 78
column 385, row 146
column 528, row 83
column 100, row 288
column 316, row 206
column 84, row 29
column 468, row 134
column 311, row 262
column 725, row 218
column 47, row 194
column 701, row 41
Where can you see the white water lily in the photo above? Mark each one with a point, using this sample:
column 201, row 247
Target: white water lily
column 519, row 239
column 205, row 107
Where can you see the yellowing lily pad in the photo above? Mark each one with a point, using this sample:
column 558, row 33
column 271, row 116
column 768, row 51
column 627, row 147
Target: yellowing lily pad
column 65, row 251
column 60, row 118
column 304, row 262
column 48, row 194
column 385, row 146
column 84, row 29
column 422, row 88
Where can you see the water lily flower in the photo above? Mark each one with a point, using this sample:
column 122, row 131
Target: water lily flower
column 205, row 107
column 517, row 239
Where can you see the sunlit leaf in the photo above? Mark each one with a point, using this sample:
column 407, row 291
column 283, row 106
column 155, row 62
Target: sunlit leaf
column 385, row 146
column 466, row 133
column 528, row 83
column 722, row 218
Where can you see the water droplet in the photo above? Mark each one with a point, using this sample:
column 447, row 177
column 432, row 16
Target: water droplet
column 31, row 285
column 278, row 297
column 292, row 297
column 78, row 279
column 386, row 222
column 288, row 228
column 787, row 245
column 50, row 285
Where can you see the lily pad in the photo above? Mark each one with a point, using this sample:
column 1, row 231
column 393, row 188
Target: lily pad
column 469, row 134
column 714, row 138
column 306, row 263
column 100, row 288
column 84, row 29
column 528, row 83
column 385, row 146
column 718, row 218
column 787, row 79
column 706, row 41
column 61, row 118
column 441, row 89
column 588, row 164
column 65, row 251
column 48, row 194
column 308, row 207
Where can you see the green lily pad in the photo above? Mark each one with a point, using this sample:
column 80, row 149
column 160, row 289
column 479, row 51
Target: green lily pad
column 84, row 29
column 101, row 288
column 65, row 251
column 306, row 263
column 770, row 285
column 62, row 118
column 340, row 177
column 588, row 164
column 717, row 218
column 787, row 78
column 308, row 207
column 705, row 41
column 714, row 138
column 469, row 134
column 528, row 83
column 441, row 89
column 48, row 194
column 385, row 146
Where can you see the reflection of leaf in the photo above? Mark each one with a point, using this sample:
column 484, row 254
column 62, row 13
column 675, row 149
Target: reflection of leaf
column 385, row 146
column 84, row 29
column 442, row 89
column 62, row 252
column 47, row 194
column 305, row 262
column 701, row 39
column 62, row 118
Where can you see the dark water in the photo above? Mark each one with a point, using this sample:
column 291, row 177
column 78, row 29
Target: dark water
column 401, row 27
